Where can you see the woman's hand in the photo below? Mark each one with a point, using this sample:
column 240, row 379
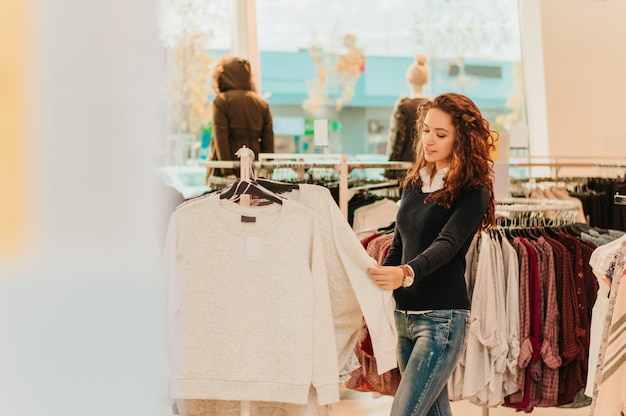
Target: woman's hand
column 387, row 277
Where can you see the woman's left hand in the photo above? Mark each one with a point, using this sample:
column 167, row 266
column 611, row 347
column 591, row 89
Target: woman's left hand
column 387, row 277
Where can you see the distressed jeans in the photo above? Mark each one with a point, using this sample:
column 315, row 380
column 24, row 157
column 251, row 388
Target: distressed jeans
column 430, row 346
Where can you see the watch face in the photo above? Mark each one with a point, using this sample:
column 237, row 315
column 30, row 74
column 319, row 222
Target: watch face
column 408, row 281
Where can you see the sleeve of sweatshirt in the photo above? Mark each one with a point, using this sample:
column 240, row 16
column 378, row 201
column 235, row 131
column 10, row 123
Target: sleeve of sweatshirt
column 377, row 305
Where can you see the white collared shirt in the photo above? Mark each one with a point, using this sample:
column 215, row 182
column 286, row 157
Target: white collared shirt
column 437, row 183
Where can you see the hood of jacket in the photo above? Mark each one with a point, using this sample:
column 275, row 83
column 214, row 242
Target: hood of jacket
column 236, row 75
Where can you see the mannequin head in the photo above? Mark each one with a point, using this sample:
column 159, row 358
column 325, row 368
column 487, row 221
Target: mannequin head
column 417, row 75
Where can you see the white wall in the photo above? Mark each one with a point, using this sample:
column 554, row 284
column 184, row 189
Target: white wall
column 584, row 56
column 534, row 79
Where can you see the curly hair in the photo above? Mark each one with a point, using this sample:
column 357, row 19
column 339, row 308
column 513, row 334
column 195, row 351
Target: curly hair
column 470, row 162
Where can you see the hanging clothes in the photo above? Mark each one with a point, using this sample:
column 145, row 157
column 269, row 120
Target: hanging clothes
column 610, row 398
column 546, row 390
column 610, row 372
column 603, row 261
column 372, row 216
column 479, row 377
column 592, row 195
column 531, row 299
column 349, row 293
column 282, row 346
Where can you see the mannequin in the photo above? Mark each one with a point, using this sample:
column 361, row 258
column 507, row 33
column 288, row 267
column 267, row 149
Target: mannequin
column 417, row 76
column 241, row 117
column 404, row 116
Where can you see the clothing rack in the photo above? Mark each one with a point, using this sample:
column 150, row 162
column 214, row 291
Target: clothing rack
column 527, row 212
column 531, row 212
column 549, row 179
column 559, row 162
column 341, row 164
column 598, row 207
column 337, row 162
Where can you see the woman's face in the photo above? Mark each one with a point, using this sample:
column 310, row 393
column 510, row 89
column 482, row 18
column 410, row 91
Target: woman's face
column 438, row 137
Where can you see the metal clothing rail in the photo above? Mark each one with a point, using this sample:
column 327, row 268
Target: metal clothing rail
column 338, row 162
column 556, row 163
column 533, row 212
column 532, row 204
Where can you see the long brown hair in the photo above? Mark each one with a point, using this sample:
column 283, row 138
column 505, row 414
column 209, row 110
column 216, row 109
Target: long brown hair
column 470, row 162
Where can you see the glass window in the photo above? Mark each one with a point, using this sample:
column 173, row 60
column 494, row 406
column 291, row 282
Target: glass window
column 346, row 62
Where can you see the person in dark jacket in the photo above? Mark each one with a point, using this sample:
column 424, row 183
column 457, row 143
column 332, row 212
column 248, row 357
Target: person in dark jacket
column 240, row 116
column 402, row 124
column 447, row 198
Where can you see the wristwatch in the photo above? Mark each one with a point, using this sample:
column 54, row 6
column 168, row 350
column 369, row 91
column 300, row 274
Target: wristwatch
column 408, row 276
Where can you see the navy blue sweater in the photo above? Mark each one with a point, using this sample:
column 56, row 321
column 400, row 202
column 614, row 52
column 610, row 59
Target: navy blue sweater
column 433, row 240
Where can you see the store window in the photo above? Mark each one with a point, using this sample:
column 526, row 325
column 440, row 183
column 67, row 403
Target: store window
column 193, row 34
column 346, row 63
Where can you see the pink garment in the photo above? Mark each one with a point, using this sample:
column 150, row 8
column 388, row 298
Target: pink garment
column 549, row 385
column 379, row 247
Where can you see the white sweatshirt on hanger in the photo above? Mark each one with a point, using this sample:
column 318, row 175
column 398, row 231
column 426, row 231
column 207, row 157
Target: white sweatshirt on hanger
column 249, row 308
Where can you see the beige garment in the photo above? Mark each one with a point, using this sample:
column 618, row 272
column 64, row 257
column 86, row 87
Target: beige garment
column 486, row 348
column 561, row 193
column 511, row 272
column 378, row 214
column 379, row 247
column 537, row 193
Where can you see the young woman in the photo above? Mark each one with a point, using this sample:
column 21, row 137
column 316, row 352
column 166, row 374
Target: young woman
column 447, row 198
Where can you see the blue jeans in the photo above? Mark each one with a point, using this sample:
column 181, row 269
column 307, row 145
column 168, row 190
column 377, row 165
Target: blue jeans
column 430, row 346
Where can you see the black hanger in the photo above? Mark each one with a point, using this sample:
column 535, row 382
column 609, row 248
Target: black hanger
column 389, row 228
column 553, row 231
column 573, row 230
column 246, row 187
column 229, row 191
column 276, row 186
column 586, row 228
column 529, row 233
column 495, row 234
